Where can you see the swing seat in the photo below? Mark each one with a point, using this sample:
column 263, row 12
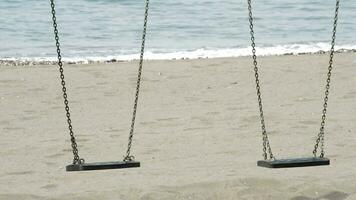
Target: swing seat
column 102, row 165
column 294, row 162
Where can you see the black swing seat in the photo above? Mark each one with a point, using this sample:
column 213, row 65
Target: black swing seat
column 294, row 162
column 102, row 165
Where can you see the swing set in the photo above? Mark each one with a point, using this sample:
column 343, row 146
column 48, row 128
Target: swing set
column 269, row 159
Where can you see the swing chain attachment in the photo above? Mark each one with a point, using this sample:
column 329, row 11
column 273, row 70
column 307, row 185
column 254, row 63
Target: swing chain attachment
column 128, row 157
column 76, row 159
column 266, row 144
column 320, row 138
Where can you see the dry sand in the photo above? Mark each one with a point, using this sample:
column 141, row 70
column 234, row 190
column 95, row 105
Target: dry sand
column 197, row 135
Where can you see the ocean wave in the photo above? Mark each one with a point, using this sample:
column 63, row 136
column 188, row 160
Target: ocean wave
column 291, row 49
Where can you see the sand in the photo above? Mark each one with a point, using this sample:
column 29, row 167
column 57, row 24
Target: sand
column 197, row 136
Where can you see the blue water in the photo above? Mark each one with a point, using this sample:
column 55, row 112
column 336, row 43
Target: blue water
column 104, row 28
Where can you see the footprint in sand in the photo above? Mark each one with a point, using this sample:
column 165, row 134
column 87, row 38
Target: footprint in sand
column 299, row 127
column 148, row 123
column 29, row 111
column 349, row 95
column 303, row 99
column 109, row 94
column 335, row 195
column 308, row 122
column 97, row 74
column 36, row 89
column 56, row 155
column 28, row 118
column 20, row 173
column 196, row 128
column 50, row 186
column 115, row 136
column 196, row 66
column 51, row 164
column 191, row 99
column 302, row 198
column 286, row 105
column 167, row 119
column 113, row 130
column 212, row 113
column 13, row 128
column 201, row 120
column 173, row 77
column 56, row 107
column 209, row 101
column 4, row 123
column 102, row 83
column 20, row 196
column 251, row 119
column 67, row 150
column 83, row 87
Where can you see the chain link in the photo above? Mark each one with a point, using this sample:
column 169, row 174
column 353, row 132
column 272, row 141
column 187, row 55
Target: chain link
column 128, row 157
column 76, row 159
column 320, row 138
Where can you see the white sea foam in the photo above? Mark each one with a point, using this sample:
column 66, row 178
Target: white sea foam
column 193, row 54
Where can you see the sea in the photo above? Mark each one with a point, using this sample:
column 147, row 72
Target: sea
column 110, row 30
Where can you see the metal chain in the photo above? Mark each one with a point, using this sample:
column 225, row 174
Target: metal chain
column 320, row 139
column 128, row 157
column 76, row 159
column 266, row 144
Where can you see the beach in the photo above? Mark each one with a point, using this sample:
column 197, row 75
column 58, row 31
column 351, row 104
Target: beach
column 197, row 135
